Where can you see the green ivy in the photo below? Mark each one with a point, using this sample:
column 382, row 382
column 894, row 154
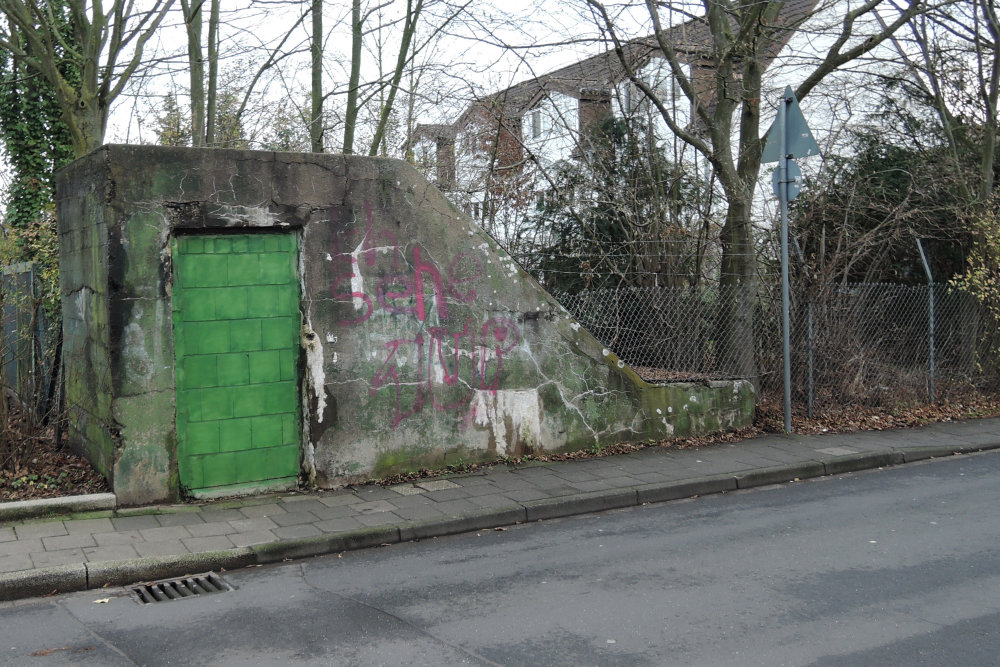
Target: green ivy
column 37, row 241
column 34, row 135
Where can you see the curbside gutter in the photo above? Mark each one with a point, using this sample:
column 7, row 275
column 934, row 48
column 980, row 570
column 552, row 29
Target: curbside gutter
column 67, row 578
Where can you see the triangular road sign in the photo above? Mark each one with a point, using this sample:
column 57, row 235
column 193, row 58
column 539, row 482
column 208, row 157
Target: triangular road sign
column 799, row 142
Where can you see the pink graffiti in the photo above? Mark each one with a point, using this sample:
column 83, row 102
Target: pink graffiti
column 482, row 370
column 441, row 366
column 411, row 287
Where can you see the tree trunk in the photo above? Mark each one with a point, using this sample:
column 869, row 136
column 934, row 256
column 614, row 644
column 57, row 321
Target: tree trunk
column 213, row 73
column 316, row 119
column 409, row 28
column 87, row 125
column 736, row 342
column 351, row 113
column 196, row 64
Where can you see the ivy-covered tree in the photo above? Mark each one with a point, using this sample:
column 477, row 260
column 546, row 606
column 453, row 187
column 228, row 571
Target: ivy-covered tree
column 106, row 50
column 35, row 138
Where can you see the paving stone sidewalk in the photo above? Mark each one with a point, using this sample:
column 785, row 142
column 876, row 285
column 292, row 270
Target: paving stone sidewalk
column 133, row 544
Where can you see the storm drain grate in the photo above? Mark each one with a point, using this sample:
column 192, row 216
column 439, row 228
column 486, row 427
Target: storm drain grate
column 182, row 587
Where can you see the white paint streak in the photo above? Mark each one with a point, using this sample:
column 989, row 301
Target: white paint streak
column 254, row 216
column 438, row 371
column 310, row 460
column 357, row 282
column 519, row 407
column 315, row 375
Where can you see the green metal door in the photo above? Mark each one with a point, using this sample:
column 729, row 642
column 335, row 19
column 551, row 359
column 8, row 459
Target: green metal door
column 236, row 332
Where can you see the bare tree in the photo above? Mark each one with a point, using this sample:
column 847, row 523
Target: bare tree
column 108, row 50
column 396, row 42
column 952, row 57
column 721, row 75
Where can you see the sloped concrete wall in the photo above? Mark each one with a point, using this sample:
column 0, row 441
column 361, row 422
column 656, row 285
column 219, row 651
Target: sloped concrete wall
column 423, row 343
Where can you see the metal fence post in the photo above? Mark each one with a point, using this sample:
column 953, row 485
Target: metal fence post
column 930, row 319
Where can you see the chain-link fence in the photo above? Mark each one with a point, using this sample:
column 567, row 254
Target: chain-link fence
column 664, row 333
column 855, row 344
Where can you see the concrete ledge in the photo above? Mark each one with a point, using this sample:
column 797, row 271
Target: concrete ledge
column 28, row 509
column 662, row 492
column 487, row 518
column 124, row 572
column 779, row 474
column 581, row 503
column 852, row 462
column 44, row 581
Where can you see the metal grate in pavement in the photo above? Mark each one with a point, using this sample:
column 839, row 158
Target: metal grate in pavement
column 179, row 588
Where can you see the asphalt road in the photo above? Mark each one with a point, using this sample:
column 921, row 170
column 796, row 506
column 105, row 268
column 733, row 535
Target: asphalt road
column 896, row 566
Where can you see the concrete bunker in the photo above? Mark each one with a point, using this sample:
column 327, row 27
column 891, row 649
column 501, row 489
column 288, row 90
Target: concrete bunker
column 236, row 321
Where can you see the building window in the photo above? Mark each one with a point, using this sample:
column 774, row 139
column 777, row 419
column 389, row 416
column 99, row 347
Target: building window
column 536, row 123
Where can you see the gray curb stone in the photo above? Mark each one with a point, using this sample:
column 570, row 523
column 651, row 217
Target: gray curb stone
column 27, row 509
column 779, row 474
column 124, row 572
column 274, row 552
column 488, row 518
column 854, row 462
column 43, row 581
column 911, row 454
column 580, row 503
column 662, row 492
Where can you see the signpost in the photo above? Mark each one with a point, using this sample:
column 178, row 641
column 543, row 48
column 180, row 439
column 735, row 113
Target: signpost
column 788, row 138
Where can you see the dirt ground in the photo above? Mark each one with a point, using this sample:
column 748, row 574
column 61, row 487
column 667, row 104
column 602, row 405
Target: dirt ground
column 46, row 472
